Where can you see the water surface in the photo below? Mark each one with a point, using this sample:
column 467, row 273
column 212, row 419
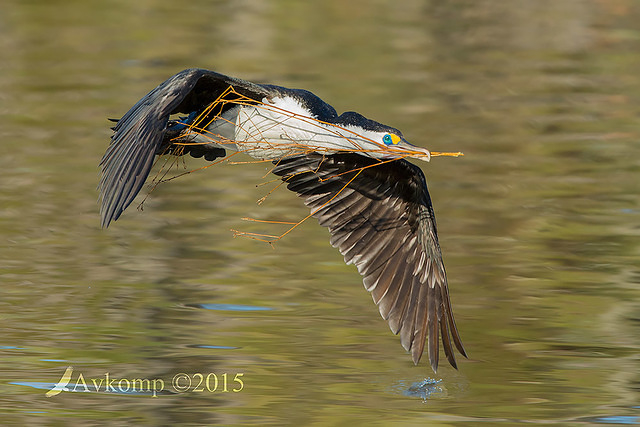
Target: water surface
column 539, row 222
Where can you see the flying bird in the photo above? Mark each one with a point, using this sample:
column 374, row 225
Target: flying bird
column 350, row 171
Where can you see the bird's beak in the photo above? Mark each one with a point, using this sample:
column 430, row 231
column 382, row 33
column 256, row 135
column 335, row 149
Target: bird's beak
column 404, row 148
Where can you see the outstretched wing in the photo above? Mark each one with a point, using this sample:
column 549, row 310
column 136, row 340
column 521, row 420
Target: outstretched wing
column 139, row 134
column 381, row 219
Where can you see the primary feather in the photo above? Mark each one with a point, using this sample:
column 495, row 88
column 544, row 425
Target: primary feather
column 374, row 203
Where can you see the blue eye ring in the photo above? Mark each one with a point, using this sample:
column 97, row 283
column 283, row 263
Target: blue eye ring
column 387, row 139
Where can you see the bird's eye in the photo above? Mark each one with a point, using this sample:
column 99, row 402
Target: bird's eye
column 390, row 139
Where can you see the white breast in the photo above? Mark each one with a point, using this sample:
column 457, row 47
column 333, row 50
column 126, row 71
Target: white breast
column 281, row 127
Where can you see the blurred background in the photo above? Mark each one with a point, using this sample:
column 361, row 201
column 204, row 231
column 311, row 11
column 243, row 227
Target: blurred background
column 539, row 222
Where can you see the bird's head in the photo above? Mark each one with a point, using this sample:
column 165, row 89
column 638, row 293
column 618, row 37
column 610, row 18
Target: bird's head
column 376, row 140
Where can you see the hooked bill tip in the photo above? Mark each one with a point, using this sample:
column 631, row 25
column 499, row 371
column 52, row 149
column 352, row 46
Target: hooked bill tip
column 423, row 154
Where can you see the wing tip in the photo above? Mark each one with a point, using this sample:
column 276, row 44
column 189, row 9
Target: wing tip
column 107, row 218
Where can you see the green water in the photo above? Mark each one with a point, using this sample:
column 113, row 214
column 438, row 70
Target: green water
column 539, row 222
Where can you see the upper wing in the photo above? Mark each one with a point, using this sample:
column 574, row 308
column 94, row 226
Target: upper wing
column 139, row 133
column 381, row 219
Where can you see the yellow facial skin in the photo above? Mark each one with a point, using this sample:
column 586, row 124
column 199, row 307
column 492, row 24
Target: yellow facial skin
column 391, row 139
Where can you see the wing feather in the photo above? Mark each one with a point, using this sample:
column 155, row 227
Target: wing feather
column 139, row 134
column 380, row 218
column 382, row 221
column 399, row 307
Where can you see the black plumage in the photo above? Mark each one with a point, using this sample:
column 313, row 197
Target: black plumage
column 379, row 213
column 383, row 222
